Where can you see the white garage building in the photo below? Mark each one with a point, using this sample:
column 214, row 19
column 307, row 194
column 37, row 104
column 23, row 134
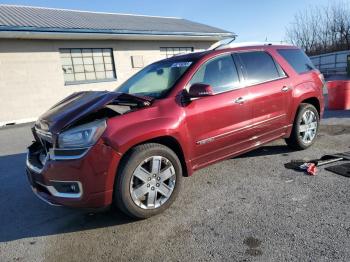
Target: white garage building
column 47, row 54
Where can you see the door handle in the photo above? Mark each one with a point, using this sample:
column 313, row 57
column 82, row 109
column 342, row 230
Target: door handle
column 285, row 88
column 239, row 100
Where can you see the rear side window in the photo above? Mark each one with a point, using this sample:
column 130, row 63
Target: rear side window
column 300, row 62
column 220, row 73
column 259, row 67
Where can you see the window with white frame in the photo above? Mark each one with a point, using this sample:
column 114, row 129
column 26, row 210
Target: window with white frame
column 171, row 51
column 83, row 65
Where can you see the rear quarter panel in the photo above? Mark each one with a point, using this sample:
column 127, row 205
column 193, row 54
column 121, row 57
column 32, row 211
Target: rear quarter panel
column 306, row 85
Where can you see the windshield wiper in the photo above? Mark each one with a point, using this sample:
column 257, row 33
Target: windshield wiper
column 140, row 100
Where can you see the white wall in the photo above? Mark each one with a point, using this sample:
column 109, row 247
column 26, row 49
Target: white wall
column 31, row 78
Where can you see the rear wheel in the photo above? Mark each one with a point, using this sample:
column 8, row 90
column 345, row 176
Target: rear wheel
column 305, row 127
column 148, row 180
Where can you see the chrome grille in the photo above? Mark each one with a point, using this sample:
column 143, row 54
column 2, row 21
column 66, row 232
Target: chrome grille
column 47, row 136
column 45, row 139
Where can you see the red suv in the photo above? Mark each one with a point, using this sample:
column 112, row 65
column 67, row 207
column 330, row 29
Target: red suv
column 131, row 147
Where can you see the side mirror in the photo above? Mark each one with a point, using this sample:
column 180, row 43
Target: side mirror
column 200, row 90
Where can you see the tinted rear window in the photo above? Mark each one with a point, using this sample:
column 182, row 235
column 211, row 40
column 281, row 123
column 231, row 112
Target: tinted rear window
column 297, row 59
column 259, row 66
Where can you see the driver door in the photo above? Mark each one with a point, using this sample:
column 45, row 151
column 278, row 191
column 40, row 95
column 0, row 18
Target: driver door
column 218, row 125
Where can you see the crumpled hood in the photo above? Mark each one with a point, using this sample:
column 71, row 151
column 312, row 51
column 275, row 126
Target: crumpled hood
column 74, row 107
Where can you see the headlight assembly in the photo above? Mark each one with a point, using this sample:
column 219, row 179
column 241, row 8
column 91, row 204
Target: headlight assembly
column 82, row 136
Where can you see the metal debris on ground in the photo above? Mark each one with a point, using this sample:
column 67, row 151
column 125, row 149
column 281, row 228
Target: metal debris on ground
column 310, row 166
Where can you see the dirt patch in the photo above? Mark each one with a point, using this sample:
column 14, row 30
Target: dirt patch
column 253, row 244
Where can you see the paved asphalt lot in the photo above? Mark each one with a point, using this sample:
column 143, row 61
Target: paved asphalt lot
column 249, row 208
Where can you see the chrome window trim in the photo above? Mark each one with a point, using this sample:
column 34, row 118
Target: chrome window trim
column 264, row 82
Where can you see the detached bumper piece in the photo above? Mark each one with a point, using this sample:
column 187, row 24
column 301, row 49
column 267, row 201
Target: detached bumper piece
column 75, row 177
column 310, row 165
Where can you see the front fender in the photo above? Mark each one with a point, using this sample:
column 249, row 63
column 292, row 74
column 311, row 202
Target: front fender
column 124, row 138
column 126, row 131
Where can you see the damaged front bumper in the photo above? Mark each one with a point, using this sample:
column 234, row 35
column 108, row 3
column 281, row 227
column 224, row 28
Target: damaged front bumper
column 76, row 178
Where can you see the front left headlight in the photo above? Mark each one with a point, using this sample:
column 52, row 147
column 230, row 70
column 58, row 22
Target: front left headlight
column 82, row 136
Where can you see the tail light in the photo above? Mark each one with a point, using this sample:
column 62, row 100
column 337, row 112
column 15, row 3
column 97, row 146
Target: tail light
column 324, row 84
column 321, row 77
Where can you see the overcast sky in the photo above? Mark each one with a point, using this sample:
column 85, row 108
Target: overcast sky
column 252, row 20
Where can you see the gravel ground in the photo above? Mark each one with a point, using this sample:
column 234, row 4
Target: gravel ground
column 249, row 208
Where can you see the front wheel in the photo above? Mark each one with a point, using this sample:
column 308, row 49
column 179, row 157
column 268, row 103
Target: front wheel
column 305, row 127
column 148, row 180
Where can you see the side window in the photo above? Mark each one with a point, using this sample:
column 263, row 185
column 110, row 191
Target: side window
column 297, row 59
column 220, row 73
column 259, row 66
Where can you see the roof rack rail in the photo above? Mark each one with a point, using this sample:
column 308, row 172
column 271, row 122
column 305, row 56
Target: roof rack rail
column 228, row 43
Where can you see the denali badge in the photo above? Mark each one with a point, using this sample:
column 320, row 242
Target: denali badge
column 205, row 141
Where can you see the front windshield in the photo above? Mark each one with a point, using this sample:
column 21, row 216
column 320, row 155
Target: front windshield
column 156, row 79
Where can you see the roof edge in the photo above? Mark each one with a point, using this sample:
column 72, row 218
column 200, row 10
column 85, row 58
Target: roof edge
column 110, row 32
column 107, row 36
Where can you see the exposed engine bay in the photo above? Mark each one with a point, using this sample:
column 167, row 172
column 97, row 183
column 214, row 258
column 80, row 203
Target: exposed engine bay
column 80, row 110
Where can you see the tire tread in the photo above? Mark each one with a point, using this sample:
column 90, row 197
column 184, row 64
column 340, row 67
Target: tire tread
column 119, row 193
column 294, row 141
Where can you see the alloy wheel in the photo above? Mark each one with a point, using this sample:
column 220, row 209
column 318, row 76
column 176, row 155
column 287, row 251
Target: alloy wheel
column 308, row 127
column 152, row 182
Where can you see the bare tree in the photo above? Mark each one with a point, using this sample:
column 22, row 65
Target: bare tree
column 321, row 29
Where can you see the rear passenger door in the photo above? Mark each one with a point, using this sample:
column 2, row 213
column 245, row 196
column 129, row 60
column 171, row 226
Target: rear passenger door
column 269, row 93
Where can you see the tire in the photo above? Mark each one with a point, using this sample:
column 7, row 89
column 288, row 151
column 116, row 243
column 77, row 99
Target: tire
column 298, row 139
column 138, row 174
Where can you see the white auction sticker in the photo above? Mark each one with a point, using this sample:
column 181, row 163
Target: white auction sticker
column 181, row 64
